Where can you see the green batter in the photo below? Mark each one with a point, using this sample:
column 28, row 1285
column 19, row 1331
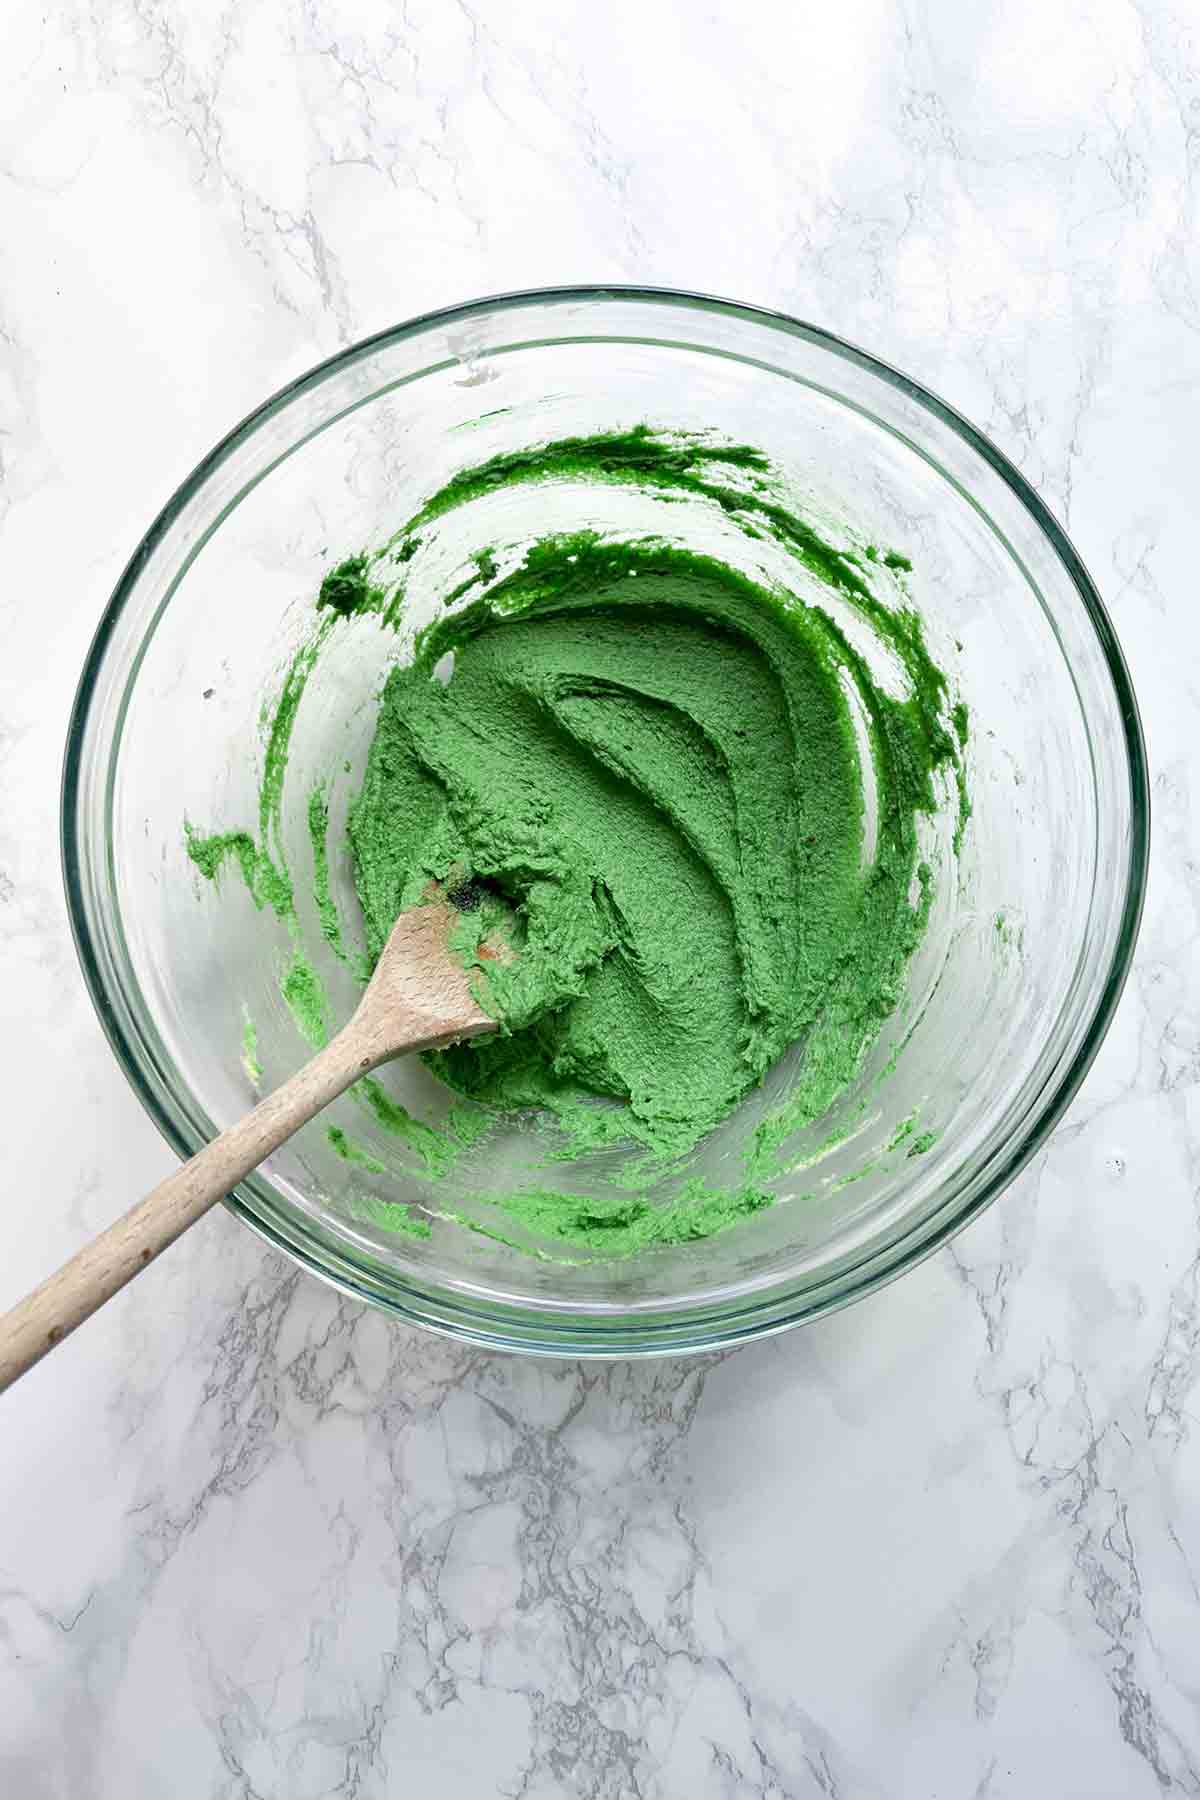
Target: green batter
column 658, row 769
column 654, row 761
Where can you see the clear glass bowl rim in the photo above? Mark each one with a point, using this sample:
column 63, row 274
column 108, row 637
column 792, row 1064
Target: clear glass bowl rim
column 572, row 1331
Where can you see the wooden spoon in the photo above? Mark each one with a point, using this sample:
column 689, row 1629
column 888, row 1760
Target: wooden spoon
column 417, row 999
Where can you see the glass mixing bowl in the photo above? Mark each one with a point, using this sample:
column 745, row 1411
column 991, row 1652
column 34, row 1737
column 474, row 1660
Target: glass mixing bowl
column 1033, row 924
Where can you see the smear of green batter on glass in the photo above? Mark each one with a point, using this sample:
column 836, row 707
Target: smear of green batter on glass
column 327, row 913
column 630, row 1223
column 351, row 1152
column 250, row 1060
column 347, row 589
column 389, row 1215
column 439, row 1150
column 261, row 860
column 654, row 763
column 303, row 992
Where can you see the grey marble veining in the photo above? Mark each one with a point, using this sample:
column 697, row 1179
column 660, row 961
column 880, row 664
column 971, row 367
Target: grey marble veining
column 256, row 1542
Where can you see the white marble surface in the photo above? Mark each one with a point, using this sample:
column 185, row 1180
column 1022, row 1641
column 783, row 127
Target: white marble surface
column 257, row 1542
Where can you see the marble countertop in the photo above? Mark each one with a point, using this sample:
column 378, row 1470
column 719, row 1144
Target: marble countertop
column 256, row 1541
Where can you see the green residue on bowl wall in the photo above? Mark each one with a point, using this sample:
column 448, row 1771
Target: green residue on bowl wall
column 347, row 588
column 439, row 1149
column 353, row 1152
column 388, row 1215
column 318, row 828
column 624, row 1225
column 250, row 1060
column 301, row 988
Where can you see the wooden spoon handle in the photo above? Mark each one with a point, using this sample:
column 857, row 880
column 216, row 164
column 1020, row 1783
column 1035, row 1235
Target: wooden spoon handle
column 68, row 1297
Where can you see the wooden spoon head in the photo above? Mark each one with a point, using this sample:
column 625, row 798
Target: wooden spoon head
column 419, row 997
